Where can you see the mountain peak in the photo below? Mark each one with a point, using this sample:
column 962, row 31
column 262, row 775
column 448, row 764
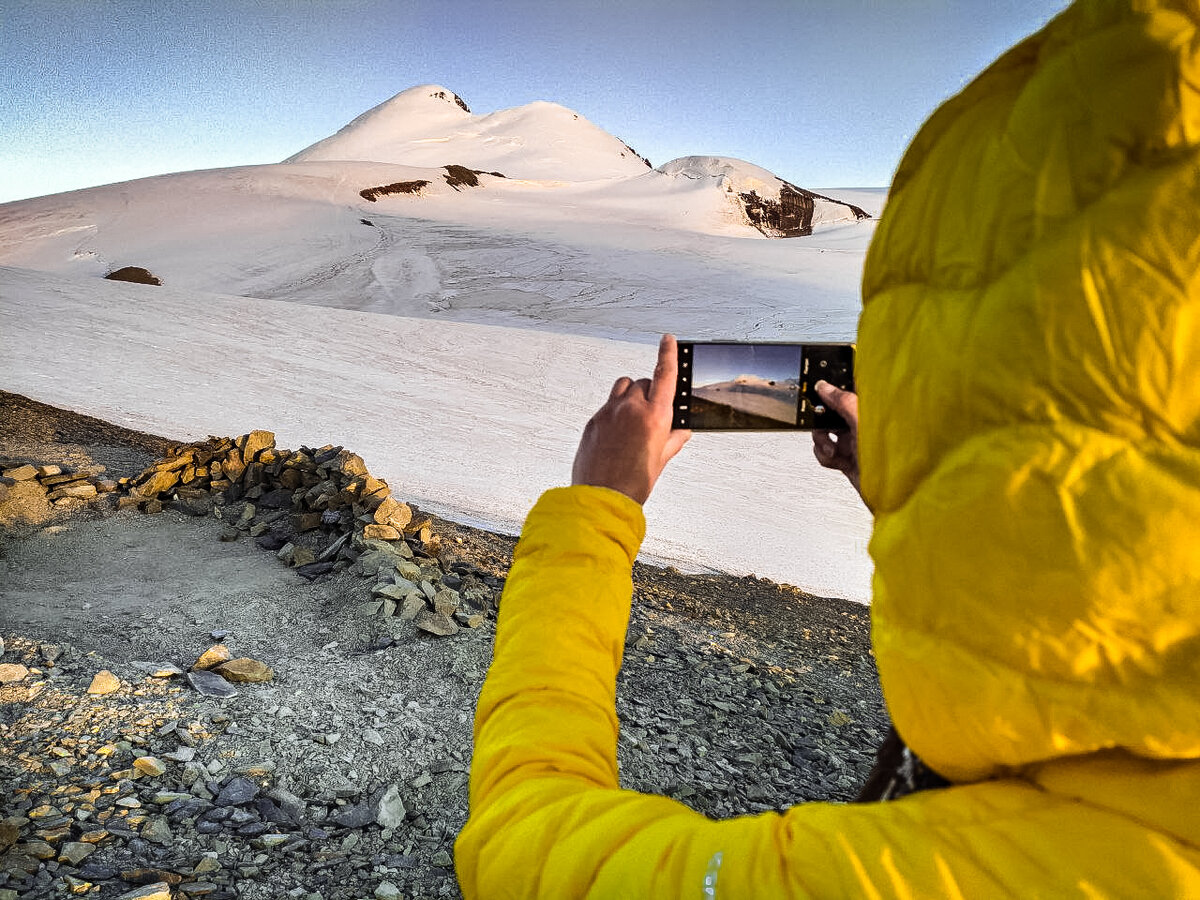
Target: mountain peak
column 422, row 95
column 431, row 126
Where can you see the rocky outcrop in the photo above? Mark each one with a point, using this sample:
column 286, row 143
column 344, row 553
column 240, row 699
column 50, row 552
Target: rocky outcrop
column 133, row 274
column 458, row 101
column 789, row 213
column 400, row 187
column 777, row 208
column 456, row 177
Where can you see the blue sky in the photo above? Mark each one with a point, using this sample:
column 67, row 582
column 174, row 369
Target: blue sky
column 717, row 363
column 824, row 94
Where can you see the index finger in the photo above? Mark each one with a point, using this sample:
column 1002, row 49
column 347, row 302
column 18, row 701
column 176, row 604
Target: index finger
column 666, row 372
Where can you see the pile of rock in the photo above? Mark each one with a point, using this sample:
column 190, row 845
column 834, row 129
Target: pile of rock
column 320, row 510
column 28, row 491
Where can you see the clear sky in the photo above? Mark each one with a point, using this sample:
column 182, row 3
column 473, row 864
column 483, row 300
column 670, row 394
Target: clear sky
column 824, row 93
column 718, row 363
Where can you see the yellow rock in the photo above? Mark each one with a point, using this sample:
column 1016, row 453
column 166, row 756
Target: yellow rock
column 212, row 657
column 105, row 682
column 12, row 672
column 245, row 670
column 150, row 765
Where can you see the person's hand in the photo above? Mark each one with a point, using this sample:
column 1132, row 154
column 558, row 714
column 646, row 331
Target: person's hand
column 839, row 449
column 629, row 441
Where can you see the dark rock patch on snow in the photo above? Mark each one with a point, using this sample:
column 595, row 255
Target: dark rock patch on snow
column 461, row 175
column 649, row 165
column 400, row 187
column 134, row 274
column 790, row 214
column 441, row 95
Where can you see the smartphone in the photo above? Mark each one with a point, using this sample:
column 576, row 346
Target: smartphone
column 736, row 386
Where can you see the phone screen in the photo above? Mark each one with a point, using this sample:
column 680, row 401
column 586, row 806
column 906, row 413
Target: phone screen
column 732, row 386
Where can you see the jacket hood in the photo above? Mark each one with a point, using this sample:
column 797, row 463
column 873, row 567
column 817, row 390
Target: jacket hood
column 1029, row 371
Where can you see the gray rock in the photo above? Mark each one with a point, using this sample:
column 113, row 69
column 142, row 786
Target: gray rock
column 435, row 623
column 359, row 815
column 210, row 684
column 238, row 790
column 292, row 805
column 414, row 604
column 446, row 602
column 157, row 831
column 158, row 891
column 391, row 810
column 158, row 669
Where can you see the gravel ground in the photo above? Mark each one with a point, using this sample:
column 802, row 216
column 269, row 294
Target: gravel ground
column 345, row 776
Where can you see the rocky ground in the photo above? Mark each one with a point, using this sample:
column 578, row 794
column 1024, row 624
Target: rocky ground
column 344, row 775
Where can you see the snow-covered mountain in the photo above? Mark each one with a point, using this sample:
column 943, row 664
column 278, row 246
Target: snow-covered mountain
column 459, row 334
column 430, row 126
column 770, row 204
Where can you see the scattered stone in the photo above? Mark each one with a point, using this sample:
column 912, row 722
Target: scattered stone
column 158, row 669
column 446, row 602
column 237, row 791
column 381, row 533
column 157, row 831
column 158, row 891
column 144, row 875
column 11, row 672
column 314, row 570
column 104, row 682
column 435, row 623
column 37, row 849
column 414, row 605
column 75, row 852
column 245, row 670
column 229, row 534
column 360, row 815
column 211, row 684
column 149, row 765
column 388, row 891
column 212, row 657
column 21, row 473
column 208, row 863
column 391, row 812
column 10, row 833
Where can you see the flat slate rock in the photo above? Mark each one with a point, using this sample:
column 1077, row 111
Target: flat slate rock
column 210, row 684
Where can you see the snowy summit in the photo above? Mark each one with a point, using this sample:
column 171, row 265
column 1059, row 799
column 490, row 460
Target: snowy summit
column 431, row 126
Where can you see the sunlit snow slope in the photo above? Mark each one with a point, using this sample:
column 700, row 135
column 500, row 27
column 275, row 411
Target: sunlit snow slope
column 429, row 125
column 458, row 336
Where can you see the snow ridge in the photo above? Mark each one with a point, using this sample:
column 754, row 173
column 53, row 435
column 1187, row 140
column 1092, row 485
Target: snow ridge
column 431, row 126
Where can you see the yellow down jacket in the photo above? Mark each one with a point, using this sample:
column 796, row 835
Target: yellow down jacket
column 1029, row 354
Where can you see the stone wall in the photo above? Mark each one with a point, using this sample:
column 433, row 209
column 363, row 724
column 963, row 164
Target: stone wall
column 318, row 510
